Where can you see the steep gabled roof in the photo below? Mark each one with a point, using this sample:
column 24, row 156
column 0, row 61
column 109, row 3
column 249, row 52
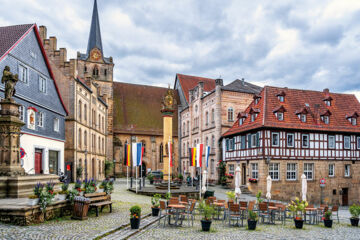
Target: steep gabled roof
column 242, row 86
column 297, row 101
column 137, row 109
column 188, row 82
column 11, row 36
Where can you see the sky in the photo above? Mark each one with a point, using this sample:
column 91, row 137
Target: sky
column 296, row 44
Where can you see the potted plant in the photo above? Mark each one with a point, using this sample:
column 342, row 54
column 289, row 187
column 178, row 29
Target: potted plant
column 150, row 177
column 34, row 199
column 109, row 187
column 252, row 220
column 64, row 191
column 258, row 197
column 155, row 204
column 355, row 212
column 207, row 211
column 102, row 185
column 327, row 219
column 297, row 208
column 135, row 213
column 231, row 195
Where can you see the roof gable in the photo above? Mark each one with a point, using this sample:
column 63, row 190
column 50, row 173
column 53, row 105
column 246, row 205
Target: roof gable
column 242, row 86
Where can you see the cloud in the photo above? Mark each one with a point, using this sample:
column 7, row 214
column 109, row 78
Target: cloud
column 299, row 44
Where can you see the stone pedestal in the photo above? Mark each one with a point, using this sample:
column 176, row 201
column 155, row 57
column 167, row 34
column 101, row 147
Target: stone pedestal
column 167, row 136
column 10, row 126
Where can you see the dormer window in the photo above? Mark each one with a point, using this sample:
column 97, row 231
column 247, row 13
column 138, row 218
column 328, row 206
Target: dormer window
column 279, row 113
column 241, row 117
column 281, row 96
column 302, row 117
column 254, row 113
column 280, row 116
column 327, row 103
column 257, row 99
column 241, row 121
column 325, row 119
column 327, row 100
column 253, row 116
column 353, row 118
column 353, row 121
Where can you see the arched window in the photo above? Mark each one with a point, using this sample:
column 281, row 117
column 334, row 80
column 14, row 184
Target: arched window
column 79, row 107
column 207, row 141
column 207, row 118
column 184, row 150
column 103, row 145
column 99, row 144
column 103, row 123
column 230, row 114
column 212, row 141
column 188, row 127
column 99, row 121
column 161, row 152
column 85, row 138
column 96, row 71
column 85, row 112
column 79, row 138
column 184, row 129
column 212, row 115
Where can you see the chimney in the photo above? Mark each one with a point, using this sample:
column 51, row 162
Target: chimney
column 219, row 82
column 43, row 33
column 201, row 84
column 326, row 91
column 53, row 43
column 317, row 113
column 243, row 81
column 63, row 55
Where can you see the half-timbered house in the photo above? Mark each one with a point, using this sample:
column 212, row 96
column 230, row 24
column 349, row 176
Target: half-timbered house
column 287, row 132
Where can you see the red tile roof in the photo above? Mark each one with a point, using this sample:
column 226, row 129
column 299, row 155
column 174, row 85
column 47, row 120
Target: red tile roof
column 188, row 82
column 300, row 101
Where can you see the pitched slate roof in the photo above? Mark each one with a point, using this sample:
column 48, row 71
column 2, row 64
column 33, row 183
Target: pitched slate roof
column 11, row 36
column 188, row 82
column 342, row 105
column 95, row 34
column 137, row 109
column 242, row 86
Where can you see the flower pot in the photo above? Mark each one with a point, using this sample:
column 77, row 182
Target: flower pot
column 354, row 222
column 299, row 223
column 328, row 223
column 33, row 201
column 205, row 225
column 151, row 181
column 155, row 212
column 252, row 224
column 135, row 223
column 61, row 197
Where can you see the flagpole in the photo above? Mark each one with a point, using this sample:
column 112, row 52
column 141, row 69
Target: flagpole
column 127, row 177
column 136, row 174
column 169, row 155
column 200, row 181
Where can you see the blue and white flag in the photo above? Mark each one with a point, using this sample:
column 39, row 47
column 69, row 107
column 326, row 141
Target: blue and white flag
column 136, row 153
column 207, row 153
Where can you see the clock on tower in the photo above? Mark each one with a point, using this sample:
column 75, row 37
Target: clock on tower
column 95, row 54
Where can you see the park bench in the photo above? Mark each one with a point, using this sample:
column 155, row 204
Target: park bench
column 99, row 200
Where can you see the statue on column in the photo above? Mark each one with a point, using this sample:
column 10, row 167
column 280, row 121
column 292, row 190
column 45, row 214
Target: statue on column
column 10, row 81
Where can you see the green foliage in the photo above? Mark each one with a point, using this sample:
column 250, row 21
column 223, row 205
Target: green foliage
column 38, row 189
column 354, row 211
column 72, row 194
column 150, row 177
column 230, row 195
column 65, row 186
column 135, row 211
column 181, row 177
column 161, row 175
column 223, row 180
column 258, row 197
column 252, row 216
column 155, row 200
column 79, row 171
column 44, row 200
column 327, row 215
column 222, row 171
column 108, row 167
column 297, row 207
column 168, row 195
column 207, row 211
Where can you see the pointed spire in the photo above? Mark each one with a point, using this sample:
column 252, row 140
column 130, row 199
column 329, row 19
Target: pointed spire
column 95, row 35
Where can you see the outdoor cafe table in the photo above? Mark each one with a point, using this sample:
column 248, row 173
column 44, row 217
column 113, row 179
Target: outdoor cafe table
column 272, row 210
column 178, row 208
column 218, row 206
column 313, row 214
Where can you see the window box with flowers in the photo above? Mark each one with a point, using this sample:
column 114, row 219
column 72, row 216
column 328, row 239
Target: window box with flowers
column 229, row 175
column 253, row 180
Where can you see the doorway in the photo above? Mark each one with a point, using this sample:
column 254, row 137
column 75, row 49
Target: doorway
column 244, row 174
column 38, row 161
column 345, row 196
column 144, row 169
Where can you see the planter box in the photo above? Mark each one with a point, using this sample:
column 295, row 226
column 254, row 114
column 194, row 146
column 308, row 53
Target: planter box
column 354, row 222
column 100, row 190
column 155, row 212
column 299, row 223
column 205, row 225
column 135, row 223
column 328, row 223
column 252, row 224
column 61, row 197
column 33, row 201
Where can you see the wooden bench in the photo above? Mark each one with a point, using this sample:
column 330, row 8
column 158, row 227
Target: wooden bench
column 99, row 199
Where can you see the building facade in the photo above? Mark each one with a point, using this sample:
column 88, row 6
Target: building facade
column 138, row 118
column 41, row 107
column 287, row 132
column 208, row 110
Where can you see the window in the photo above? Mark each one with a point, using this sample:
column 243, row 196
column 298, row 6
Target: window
column 346, row 142
column 212, row 115
column 305, row 140
column 303, row 117
column 79, row 138
column 230, row 114
column 95, row 71
column 161, row 149
column 85, row 112
column 243, row 142
column 325, row 119
column 230, row 144
column 85, row 69
column 206, row 141
column 105, row 72
column 309, row 171
column 281, row 98
column 255, row 142
column 358, row 142
column 31, row 119
column 188, row 127
column 241, row 121
column 85, row 139
column 253, row 117
column 353, row 121
column 331, row 170
column 347, row 170
column 331, row 141
column 213, row 142
column 53, row 162
column 280, row 116
column 257, row 100
column 196, row 108
column 80, row 110
column 231, row 169
column 207, row 118
column 42, row 84
column 275, row 139
column 290, row 140
column 249, row 140
column 23, row 74
column 274, row 171
column 212, row 166
column 327, row 103
column 254, row 170
column 291, row 171
column 40, row 119
column 56, row 124
column 21, row 113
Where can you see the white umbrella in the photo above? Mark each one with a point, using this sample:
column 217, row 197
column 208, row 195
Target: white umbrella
column 237, row 182
column 203, row 189
column 304, row 186
column 268, row 187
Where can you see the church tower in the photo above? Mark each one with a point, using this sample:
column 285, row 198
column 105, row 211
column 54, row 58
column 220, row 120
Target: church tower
column 95, row 68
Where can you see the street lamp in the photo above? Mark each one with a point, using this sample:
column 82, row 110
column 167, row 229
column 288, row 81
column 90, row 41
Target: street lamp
column 86, row 174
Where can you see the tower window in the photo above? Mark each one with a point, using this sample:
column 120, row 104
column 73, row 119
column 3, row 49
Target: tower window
column 85, row 69
column 96, row 71
column 105, row 72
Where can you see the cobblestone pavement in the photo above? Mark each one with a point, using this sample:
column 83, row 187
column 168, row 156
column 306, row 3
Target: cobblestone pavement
column 88, row 229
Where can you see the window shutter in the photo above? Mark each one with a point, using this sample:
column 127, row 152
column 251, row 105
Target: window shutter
column 227, row 144
column 258, row 139
column 249, row 141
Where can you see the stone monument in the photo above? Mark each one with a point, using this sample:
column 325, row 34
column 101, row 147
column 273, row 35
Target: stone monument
column 168, row 109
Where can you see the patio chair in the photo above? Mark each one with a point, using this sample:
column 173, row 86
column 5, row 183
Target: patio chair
column 173, row 201
column 212, row 199
column 272, row 204
column 281, row 213
column 334, row 209
column 263, row 212
column 320, row 212
column 189, row 213
column 219, row 209
column 164, row 212
column 235, row 214
column 183, row 198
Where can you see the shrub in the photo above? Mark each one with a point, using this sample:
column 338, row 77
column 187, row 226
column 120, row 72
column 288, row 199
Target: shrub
column 150, row 177
column 50, row 188
column 168, row 195
column 108, row 167
column 77, row 185
column 161, row 175
column 258, row 197
column 135, row 211
column 253, row 216
column 181, row 177
column 206, row 210
column 155, row 200
column 231, row 195
column 79, row 171
column 354, row 211
column 327, row 215
column 297, row 207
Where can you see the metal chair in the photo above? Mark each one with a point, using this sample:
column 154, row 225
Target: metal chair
column 235, row 214
column 190, row 213
column 163, row 212
column 336, row 209
column 264, row 212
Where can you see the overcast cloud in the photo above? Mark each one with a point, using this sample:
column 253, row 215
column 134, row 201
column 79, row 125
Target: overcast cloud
column 298, row 44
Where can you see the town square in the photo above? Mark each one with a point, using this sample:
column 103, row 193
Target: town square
column 179, row 119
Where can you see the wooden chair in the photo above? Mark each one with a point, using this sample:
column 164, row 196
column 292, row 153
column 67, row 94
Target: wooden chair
column 271, row 204
column 235, row 214
column 189, row 213
column 173, row 201
column 164, row 212
column 335, row 208
column 212, row 199
column 263, row 212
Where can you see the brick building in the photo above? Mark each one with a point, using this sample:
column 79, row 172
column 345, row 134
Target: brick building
column 137, row 118
column 207, row 109
column 286, row 132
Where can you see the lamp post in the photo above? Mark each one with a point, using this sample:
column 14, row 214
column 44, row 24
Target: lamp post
column 86, row 174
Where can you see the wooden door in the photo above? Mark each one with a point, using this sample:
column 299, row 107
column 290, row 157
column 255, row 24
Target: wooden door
column 38, row 161
column 345, row 197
